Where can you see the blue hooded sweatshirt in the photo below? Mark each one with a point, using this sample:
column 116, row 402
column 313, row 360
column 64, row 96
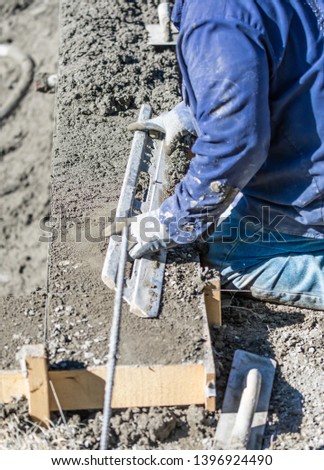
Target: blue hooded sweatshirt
column 253, row 79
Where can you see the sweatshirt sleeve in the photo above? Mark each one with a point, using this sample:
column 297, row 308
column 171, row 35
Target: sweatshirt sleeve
column 226, row 76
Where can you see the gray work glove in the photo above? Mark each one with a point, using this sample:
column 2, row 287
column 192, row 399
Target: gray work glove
column 147, row 234
column 173, row 125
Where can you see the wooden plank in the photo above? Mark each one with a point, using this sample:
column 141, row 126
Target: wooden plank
column 171, row 385
column 13, row 385
column 212, row 294
column 35, row 368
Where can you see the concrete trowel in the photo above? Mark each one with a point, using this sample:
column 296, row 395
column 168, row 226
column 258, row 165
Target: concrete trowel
column 144, row 281
column 164, row 33
column 246, row 403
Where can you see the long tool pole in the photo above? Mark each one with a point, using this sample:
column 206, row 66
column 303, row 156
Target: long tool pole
column 113, row 342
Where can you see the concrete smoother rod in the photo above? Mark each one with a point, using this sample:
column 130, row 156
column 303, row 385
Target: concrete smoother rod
column 113, row 342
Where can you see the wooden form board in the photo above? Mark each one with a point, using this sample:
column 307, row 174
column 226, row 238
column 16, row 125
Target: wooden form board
column 212, row 294
column 84, row 389
column 173, row 385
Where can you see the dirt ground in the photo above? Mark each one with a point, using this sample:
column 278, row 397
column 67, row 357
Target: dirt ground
column 25, row 146
column 110, row 72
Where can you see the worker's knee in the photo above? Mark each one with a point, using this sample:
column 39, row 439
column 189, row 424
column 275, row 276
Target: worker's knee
column 289, row 272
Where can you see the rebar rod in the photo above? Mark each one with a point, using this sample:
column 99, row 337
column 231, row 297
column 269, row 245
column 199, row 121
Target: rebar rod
column 113, row 342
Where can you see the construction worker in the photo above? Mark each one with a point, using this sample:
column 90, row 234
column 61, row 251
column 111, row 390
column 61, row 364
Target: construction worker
column 253, row 94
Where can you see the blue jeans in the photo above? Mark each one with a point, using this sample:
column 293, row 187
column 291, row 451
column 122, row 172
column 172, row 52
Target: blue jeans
column 275, row 267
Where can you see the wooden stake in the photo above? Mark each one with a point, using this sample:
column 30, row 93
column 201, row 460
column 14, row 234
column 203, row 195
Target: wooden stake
column 34, row 365
column 212, row 295
column 210, row 392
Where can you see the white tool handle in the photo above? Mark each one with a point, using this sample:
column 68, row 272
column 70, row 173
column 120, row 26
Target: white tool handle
column 164, row 12
column 250, row 397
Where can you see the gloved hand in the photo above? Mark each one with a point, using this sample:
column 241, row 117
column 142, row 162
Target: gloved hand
column 147, row 234
column 174, row 125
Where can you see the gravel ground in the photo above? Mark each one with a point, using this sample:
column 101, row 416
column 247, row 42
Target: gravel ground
column 293, row 337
